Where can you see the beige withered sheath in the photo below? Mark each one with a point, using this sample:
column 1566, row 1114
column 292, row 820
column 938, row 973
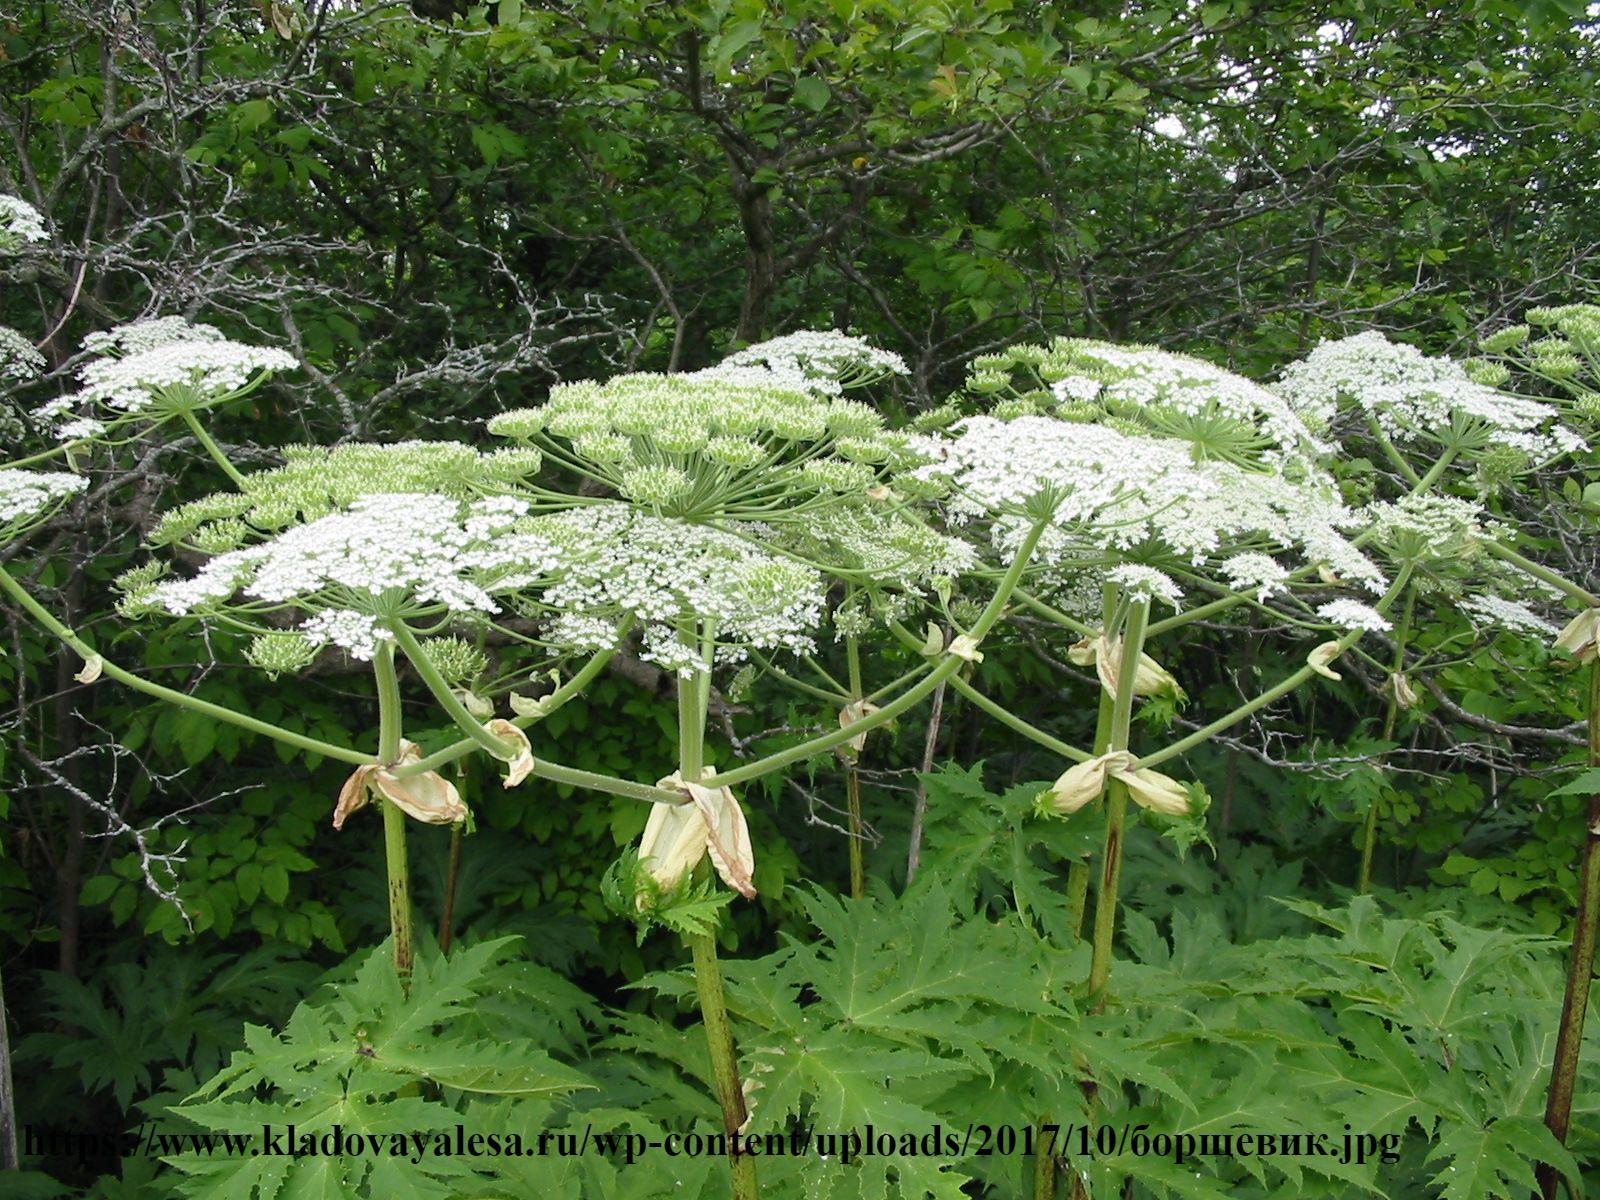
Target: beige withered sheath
column 429, row 796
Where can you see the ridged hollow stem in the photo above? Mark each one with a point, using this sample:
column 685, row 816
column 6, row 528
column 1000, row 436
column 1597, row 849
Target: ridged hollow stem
column 1105, row 907
column 47, row 621
column 396, row 862
column 693, row 695
column 1391, row 718
column 1542, row 573
column 1580, row 967
column 946, row 666
column 1078, row 873
column 210, row 447
column 1105, row 910
column 852, row 777
column 452, row 876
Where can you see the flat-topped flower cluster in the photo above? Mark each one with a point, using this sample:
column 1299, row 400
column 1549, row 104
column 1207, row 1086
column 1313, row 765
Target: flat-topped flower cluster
column 826, row 362
column 1413, row 396
column 1111, row 492
column 679, row 582
column 20, row 224
column 385, row 558
column 158, row 369
column 28, row 494
column 1144, row 389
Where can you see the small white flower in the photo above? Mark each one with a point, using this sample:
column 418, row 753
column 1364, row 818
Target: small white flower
column 1146, row 583
column 18, row 359
column 25, row 494
column 1352, row 614
column 20, row 223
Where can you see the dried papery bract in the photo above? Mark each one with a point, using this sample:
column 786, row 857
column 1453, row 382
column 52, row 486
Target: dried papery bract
column 520, row 763
column 1321, row 656
column 849, row 715
column 1084, row 783
column 1105, row 656
column 677, row 837
column 427, row 796
column 1580, row 637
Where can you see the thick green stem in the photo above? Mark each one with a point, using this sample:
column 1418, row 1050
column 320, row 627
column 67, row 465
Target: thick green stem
column 692, row 696
column 724, row 1064
column 1078, row 873
column 1391, row 717
column 394, row 817
column 1580, row 968
column 1105, row 908
column 452, row 877
column 852, row 777
column 300, row 741
column 1044, row 1165
column 211, row 448
column 1560, row 582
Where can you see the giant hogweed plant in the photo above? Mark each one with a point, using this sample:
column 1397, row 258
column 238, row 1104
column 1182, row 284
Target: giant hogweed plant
column 390, row 554
column 718, row 515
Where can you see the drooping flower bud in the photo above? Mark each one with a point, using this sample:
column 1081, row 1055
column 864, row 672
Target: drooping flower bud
column 1155, row 791
column 1400, row 687
column 1150, row 679
column 966, row 646
column 1084, row 782
column 1147, row 788
column 475, row 704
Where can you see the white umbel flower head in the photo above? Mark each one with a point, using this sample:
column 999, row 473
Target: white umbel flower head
column 1112, row 491
column 1146, row 583
column 18, row 359
column 823, row 361
column 1352, row 614
column 25, row 495
column 1512, row 616
column 137, row 337
column 1221, row 413
column 20, row 224
column 667, row 575
column 387, row 557
column 186, row 374
column 1413, row 396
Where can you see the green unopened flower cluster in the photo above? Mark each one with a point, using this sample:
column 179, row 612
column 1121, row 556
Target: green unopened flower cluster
column 703, row 447
column 1144, row 390
column 1557, row 350
column 316, row 480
